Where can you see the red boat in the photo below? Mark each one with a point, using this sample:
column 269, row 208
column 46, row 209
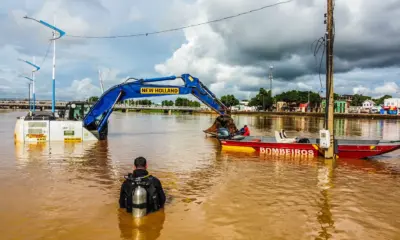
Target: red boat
column 307, row 147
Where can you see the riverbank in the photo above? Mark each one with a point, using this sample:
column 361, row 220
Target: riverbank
column 316, row 114
column 298, row 114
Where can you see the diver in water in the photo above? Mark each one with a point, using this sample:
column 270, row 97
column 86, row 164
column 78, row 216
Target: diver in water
column 141, row 193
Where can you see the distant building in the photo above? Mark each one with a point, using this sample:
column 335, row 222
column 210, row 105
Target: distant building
column 303, row 107
column 281, row 106
column 244, row 103
column 243, row 106
column 391, row 102
column 347, row 97
column 368, row 104
column 341, row 106
column 391, row 105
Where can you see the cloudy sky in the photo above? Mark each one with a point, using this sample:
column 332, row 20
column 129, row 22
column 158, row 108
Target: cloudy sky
column 231, row 56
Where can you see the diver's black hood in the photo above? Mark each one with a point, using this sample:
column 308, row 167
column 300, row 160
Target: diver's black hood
column 139, row 173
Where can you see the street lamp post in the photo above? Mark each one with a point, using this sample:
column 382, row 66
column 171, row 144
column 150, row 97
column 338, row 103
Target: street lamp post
column 36, row 68
column 270, row 84
column 29, row 84
column 29, row 94
column 60, row 34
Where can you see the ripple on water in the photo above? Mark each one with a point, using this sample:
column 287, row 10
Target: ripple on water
column 70, row 191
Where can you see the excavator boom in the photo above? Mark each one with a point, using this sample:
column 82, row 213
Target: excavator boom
column 98, row 115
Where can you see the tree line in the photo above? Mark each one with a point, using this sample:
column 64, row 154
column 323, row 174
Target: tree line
column 359, row 99
column 181, row 102
column 263, row 100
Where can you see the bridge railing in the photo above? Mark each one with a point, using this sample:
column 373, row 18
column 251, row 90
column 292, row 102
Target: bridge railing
column 23, row 103
column 123, row 106
column 117, row 106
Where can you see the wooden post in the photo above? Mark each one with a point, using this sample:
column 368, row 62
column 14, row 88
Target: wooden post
column 329, row 153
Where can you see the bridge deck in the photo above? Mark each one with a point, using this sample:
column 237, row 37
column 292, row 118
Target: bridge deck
column 60, row 105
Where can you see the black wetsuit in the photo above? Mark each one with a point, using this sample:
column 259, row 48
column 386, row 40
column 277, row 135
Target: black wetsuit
column 125, row 198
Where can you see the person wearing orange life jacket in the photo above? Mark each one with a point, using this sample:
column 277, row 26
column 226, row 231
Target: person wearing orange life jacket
column 245, row 131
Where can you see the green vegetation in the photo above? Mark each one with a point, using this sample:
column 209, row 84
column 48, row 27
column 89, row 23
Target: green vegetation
column 229, row 100
column 143, row 102
column 184, row 102
column 263, row 100
column 167, row 103
column 298, row 97
column 359, row 99
column 93, row 99
column 381, row 100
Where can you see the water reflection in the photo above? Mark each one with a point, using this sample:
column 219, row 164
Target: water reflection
column 73, row 188
column 146, row 228
column 90, row 161
column 325, row 183
column 344, row 127
column 368, row 166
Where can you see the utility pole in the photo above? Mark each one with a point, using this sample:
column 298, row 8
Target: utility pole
column 329, row 153
column 61, row 33
column 270, row 84
column 29, row 95
column 101, row 81
column 53, row 85
column 263, row 103
column 32, row 79
column 33, row 88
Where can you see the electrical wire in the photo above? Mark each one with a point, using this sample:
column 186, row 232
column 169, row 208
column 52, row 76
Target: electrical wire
column 319, row 43
column 45, row 56
column 320, row 66
column 316, row 41
column 184, row 27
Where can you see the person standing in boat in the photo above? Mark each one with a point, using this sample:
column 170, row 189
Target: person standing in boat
column 155, row 193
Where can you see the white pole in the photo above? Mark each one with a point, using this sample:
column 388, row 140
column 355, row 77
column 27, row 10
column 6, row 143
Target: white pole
column 54, row 71
column 33, row 87
column 101, row 81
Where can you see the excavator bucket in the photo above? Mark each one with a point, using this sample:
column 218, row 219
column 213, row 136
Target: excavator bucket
column 223, row 121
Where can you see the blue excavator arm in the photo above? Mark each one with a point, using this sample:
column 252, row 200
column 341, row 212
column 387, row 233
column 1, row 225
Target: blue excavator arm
column 98, row 115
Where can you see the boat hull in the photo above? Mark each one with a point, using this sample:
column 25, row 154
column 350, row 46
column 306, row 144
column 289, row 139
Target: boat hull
column 309, row 150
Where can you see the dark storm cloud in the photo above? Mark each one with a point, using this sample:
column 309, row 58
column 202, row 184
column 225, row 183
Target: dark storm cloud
column 366, row 38
column 247, row 88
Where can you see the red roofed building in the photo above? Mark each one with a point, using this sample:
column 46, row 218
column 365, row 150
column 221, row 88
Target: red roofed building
column 303, row 107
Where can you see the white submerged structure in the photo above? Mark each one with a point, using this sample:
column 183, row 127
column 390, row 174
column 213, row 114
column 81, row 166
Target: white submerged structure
column 81, row 121
column 51, row 130
column 38, row 127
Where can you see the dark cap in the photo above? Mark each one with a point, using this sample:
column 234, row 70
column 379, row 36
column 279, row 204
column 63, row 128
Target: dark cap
column 140, row 162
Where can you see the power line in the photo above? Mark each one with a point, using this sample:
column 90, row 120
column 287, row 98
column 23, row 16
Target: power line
column 184, row 27
column 47, row 52
column 320, row 42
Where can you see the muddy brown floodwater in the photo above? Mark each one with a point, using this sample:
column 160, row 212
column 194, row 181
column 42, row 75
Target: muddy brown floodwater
column 70, row 191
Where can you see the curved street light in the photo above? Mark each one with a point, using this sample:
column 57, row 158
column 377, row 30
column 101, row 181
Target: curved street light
column 29, row 86
column 61, row 33
column 32, row 79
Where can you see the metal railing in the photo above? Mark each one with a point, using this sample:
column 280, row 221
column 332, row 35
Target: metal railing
column 157, row 107
column 19, row 103
column 26, row 103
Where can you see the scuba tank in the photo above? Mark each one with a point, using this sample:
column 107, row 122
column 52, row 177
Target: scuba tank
column 139, row 201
